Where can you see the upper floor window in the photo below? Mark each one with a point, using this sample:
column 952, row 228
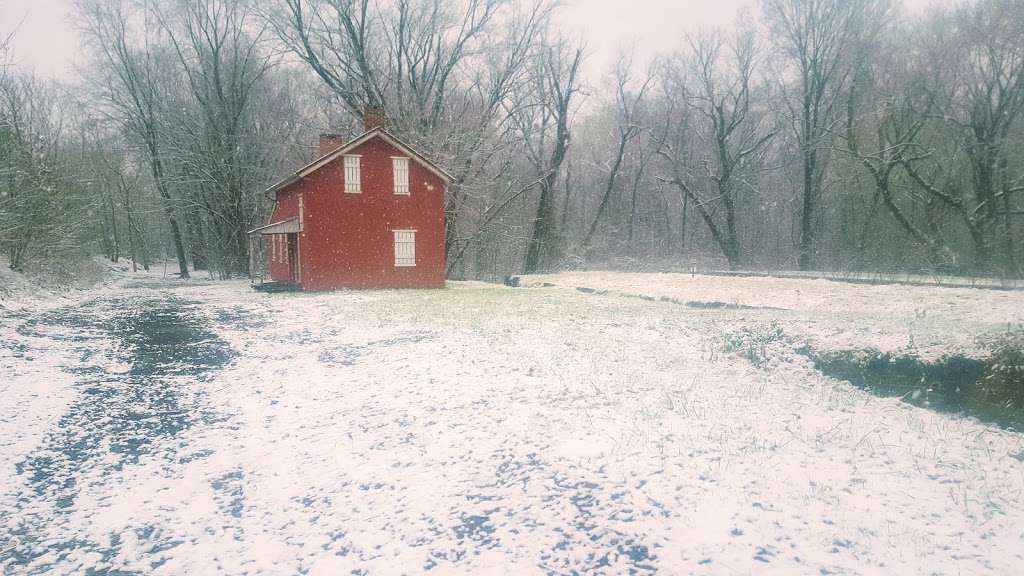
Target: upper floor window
column 400, row 169
column 353, row 177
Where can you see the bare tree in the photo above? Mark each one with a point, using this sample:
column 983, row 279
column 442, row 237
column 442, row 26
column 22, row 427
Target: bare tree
column 628, row 104
column 219, row 46
column 644, row 151
column 33, row 219
column 975, row 62
column 554, row 83
column 818, row 39
column 131, row 84
column 727, row 124
column 889, row 106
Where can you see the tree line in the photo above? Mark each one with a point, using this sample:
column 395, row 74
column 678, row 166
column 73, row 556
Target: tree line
column 812, row 134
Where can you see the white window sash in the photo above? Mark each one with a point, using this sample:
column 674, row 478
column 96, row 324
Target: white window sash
column 400, row 171
column 405, row 248
column 353, row 174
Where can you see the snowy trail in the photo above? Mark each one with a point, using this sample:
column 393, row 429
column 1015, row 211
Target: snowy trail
column 484, row 430
column 141, row 359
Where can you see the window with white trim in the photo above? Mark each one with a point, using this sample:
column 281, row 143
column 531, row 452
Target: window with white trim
column 353, row 177
column 400, row 170
column 405, row 247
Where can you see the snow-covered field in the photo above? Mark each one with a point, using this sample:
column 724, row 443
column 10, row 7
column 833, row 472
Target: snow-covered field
column 483, row 429
column 923, row 321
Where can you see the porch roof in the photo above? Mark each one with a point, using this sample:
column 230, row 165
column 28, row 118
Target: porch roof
column 289, row 226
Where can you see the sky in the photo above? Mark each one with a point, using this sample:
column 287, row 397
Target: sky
column 46, row 38
column 646, row 26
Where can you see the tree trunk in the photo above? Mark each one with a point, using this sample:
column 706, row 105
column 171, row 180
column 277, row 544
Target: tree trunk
column 161, row 186
column 609, row 186
column 807, row 213
column 682, row 226
column 542, row 226
column 632, row 207
column 113, row 230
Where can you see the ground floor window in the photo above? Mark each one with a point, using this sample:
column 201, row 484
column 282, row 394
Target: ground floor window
column 405, row 247
column 278, row 249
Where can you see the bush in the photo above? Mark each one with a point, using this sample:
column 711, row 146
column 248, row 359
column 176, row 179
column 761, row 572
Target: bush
column 1003, row 382
column 754, row 342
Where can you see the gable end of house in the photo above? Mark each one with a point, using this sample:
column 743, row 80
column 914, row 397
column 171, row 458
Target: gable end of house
column 346, row 149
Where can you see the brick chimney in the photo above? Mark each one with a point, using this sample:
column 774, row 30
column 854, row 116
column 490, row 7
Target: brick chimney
column 374, row 117
column 330, row 142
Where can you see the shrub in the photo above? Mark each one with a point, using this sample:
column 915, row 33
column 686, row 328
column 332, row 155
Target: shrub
column 1003, row 382
column 754, row 342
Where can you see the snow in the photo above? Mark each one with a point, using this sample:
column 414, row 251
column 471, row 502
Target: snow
column 925, row 321
column 33, row 385
column 485, row 429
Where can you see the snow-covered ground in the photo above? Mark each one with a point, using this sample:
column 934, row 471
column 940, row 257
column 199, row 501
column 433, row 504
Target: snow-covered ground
column 483, row 429
column 34, row 388
column 924, row 321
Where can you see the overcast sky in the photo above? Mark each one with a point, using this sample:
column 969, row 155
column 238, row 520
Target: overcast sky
column 46, row 38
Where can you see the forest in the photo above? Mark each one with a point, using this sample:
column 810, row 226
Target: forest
column 849, row 135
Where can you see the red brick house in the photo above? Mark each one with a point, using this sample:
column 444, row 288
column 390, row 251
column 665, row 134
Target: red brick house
column 368, row 213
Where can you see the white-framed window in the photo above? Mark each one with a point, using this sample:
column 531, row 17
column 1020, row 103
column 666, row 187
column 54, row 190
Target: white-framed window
column 405, row 247
column 400, row 170
column 353, row 176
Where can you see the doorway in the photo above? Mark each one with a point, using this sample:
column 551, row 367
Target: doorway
column 293, row 258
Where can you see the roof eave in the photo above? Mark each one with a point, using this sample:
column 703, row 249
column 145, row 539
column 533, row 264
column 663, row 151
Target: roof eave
column 358, row 140
column 397, row 142
column 283, row 184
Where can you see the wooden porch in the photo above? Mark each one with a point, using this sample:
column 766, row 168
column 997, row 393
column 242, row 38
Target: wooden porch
column 259, row 264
